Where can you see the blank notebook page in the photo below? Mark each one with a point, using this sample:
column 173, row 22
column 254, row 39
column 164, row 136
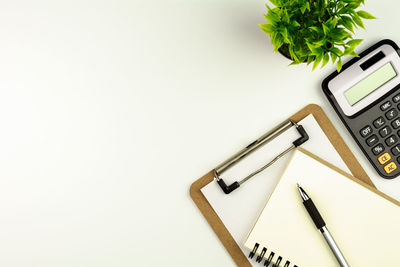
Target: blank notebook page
column 365, row 225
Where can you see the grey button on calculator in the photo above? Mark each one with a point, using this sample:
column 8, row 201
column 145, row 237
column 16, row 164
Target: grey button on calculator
column 366, row 96
column 379, row 122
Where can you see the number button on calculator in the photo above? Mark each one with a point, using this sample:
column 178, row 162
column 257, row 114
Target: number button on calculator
column 396, row 150
column 396, row 123
column 385, row 131
column 391, row 140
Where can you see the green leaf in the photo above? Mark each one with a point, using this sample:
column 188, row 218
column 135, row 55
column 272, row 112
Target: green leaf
column 277, row 41
column 310, row 59
column 338, row 35
column 353, row 5
column 303, row 9
column 337, row 51
column 326, row 29
column 272, row 17
column 315, row 44
column 354, row 43
column 348, row 50
column 340, row 7
column 302, row 59
column 331, row 23
column 354, row 54
column 273, row 38
column 325, row 60
column 285, row 17
column 358, row 20
column 295, row 23
column 339, row 65
column 316, row 30
column 317, row 60
column 292, row 54
column 294, row 63
column 275, row 2
column 301, row 51
column 308, row 6
column 290, row 39
column 267, row 28
column 285, row 35
column 333, row 57
column 347, row 23
column 315, row 50
column 365, row 15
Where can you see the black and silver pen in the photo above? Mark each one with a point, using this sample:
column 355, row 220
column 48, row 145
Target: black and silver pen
column 320, row 224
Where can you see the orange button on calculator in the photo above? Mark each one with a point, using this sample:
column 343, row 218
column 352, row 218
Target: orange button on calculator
column 385, row 157
column 391, row 166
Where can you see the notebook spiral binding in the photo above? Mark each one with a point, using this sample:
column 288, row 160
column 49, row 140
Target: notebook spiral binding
column 270, row 258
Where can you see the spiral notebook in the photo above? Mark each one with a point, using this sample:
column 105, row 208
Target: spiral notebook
column 221, row 210
column 364, row 222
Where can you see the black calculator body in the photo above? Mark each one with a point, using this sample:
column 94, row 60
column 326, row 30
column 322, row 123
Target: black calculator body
column 366, row 96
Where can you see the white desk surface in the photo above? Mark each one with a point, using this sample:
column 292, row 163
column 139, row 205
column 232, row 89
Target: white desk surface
column 111, row 109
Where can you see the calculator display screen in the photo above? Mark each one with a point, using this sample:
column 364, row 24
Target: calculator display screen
column 370, row 83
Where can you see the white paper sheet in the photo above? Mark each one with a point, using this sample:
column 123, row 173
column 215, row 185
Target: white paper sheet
column 240, row 209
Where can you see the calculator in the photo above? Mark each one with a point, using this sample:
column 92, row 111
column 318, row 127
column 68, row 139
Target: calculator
column 366, row 96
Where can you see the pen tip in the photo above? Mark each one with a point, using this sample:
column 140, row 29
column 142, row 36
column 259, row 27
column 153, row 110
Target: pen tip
column 298, row 185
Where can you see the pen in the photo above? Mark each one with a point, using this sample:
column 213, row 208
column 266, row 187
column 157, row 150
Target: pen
column 320, row 224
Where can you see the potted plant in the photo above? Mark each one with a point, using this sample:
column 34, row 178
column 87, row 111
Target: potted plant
column 315, row 30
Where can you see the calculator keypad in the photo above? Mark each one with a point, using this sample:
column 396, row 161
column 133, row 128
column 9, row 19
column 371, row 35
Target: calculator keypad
column 382, row 135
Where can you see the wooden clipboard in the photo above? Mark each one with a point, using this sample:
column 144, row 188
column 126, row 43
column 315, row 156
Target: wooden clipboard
column 215, row 222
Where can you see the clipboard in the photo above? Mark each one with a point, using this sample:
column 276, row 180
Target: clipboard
column 215, row 222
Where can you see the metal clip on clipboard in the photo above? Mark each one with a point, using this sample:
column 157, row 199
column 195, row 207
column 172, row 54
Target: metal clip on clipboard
column 266, row 138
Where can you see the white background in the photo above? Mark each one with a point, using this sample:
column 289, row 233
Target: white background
column 109, row 110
